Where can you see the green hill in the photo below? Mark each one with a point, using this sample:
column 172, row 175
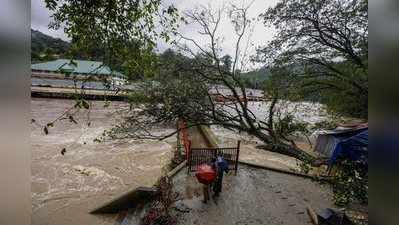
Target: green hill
column 44, row 47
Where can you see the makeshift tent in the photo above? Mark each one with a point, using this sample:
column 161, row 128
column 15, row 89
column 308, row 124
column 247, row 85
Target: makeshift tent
column 353, row 148
column 327, row 141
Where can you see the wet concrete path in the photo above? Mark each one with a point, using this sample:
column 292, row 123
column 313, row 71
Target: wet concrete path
column 253, row 197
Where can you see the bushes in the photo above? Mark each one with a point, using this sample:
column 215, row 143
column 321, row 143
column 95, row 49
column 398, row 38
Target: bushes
column 350, row 183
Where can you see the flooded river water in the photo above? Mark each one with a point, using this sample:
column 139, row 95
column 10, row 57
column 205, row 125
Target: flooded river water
column 65, row 187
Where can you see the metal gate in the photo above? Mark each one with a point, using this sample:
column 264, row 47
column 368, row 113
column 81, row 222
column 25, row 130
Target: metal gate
column 198, row 156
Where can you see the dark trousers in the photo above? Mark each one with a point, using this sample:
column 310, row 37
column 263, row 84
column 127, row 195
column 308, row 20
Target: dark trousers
column 217, row 186
column 205, row 189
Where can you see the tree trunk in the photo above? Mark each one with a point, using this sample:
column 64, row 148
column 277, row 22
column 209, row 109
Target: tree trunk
column 289, row 150
column 275, row 145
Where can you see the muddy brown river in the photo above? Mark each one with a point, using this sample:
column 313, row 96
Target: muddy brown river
column 66, row 187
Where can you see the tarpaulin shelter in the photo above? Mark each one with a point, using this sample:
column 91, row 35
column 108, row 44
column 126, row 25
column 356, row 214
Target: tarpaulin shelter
column 353, row 148
column 349, row 143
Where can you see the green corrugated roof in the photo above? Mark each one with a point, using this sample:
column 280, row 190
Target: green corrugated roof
column 76, row 66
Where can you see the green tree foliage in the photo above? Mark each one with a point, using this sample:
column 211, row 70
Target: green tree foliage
column 327, row 43
column 173, row 93
column 227, row 61
column 350, row 184
column 182, row 94
column 125, row 30
column 256, row 78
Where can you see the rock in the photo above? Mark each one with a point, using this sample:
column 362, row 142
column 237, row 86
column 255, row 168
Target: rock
column 181, row 207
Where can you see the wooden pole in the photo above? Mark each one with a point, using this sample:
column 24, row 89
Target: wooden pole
column 188, row 158
column 312, row 215
column 237, row 156
column 178, row 143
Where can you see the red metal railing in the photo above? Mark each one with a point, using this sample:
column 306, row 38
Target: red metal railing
column 184, row 137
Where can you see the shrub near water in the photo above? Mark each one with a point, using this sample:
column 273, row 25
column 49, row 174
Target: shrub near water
column 350, row 183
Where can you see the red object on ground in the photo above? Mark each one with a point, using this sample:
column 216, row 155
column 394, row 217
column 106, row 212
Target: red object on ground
column 205, row 174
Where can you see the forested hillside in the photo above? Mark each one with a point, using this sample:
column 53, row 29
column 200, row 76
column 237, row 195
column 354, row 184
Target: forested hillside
column 255, row 78
column 44, row 47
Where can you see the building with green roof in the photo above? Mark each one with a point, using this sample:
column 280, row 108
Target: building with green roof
column 65, row 68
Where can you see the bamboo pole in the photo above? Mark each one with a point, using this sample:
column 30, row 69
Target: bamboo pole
column 312, row 214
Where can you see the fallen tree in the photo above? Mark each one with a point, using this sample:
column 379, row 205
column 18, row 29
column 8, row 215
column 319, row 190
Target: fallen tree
column 197, row 84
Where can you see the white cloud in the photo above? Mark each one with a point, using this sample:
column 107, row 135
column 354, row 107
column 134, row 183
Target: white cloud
column 40, row 19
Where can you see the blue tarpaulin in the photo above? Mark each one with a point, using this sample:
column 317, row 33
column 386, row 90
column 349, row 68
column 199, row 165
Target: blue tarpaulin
column 353, row 148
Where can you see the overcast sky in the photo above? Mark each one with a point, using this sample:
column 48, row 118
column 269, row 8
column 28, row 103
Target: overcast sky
column 40, row 18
